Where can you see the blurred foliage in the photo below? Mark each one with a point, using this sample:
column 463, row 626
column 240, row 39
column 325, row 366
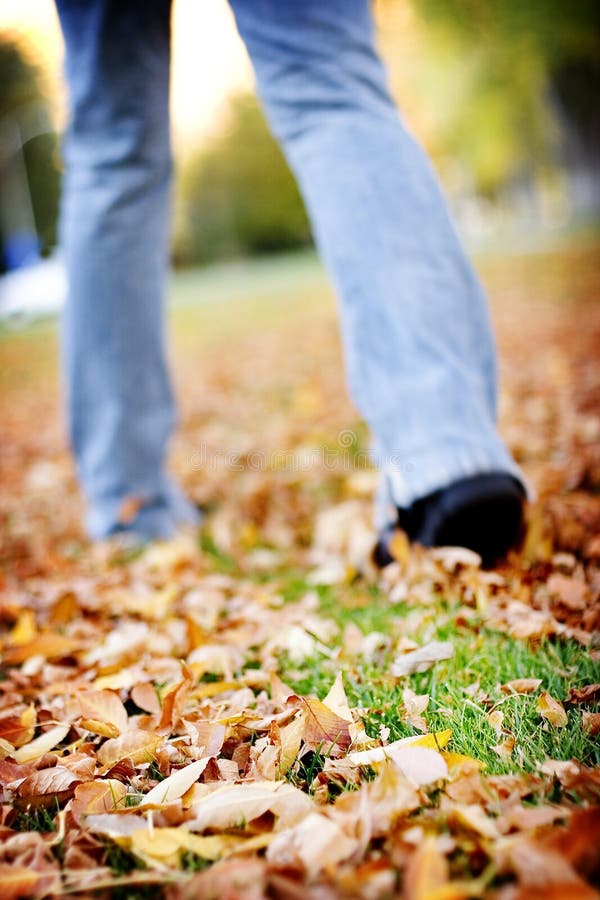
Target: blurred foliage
column 24, row 111
column 237, row 195
column 503, row 87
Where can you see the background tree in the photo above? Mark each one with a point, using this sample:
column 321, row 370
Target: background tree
column 237, row 195
column 29, row 160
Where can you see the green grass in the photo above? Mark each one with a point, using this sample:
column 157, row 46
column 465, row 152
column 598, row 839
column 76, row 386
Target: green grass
column 481, row 656
column 40, row 819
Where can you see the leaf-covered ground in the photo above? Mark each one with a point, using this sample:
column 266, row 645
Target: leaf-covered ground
column 254, row 711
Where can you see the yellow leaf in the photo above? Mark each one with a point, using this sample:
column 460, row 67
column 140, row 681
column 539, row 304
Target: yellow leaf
column 103, row 728
column 399, row 547
column 551, row 710
column 42, row 744
column 50, row 645
column 24, row 630
column 290, row 737
column 211, row 690
column 474, row 818
column 436, row 741
column 460, row 761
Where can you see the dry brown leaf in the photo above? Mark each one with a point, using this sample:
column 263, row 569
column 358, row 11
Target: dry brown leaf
column 145, row 696
column 46, row 786
column 571, row 592
column 99, row 796
column 505, row 748
column 590, row 693
column 521, row 686
column 315, row 843
column 551, row 710
column 18, row 729
column 322, row 726
column 136, row 745
column 591, row 722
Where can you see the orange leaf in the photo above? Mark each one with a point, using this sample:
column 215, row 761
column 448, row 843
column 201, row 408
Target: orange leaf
column 102, row 712
column 18, row 729
column 50, row 645
column 17, row 882
column 100, row 796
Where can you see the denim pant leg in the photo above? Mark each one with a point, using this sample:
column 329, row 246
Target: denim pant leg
column 419, row 350
column 115, row 227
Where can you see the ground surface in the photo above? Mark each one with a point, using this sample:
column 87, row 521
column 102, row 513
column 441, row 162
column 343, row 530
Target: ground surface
column 262, row 681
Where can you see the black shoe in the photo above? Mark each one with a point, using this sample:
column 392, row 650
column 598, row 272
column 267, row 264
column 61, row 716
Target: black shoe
column 484, row 513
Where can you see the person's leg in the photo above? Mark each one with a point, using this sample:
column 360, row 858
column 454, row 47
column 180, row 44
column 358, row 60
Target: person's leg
column 419, row 349
column 115, row 227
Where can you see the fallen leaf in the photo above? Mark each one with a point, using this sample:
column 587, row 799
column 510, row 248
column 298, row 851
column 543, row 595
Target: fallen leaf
column 42, row 744
column 322, row 726
column 505, row 748
column 49, row 645
column 551, row 710
column 590, row 693
column 47, row 786
column 521, row 686
column 337, row 701
column 24, row 630
column 102, row 713
column 234, row 804
column 17, row 882
column 137, row 745
column 427, row 871
column 422, row 659
column 591, row 723
column 316, row 843
column 414, row 705
column 176, row 785
column 290, row 738
column 18, row 729
column 571, row 592
column 99, row 796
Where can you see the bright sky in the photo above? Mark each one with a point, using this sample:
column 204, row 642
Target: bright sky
column 209, row 60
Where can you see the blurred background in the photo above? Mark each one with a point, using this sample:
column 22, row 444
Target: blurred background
column 504, row 96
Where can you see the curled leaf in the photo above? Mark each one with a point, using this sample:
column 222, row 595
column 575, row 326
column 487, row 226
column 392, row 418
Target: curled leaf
column 551, row 710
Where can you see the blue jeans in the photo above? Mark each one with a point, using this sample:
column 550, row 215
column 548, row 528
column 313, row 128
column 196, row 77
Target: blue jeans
column 418, row 345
